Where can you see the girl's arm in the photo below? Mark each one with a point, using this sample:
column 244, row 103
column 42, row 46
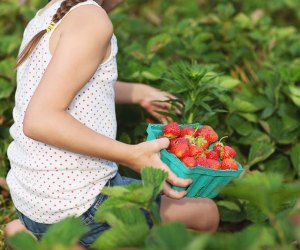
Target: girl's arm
column 149, row 98
column 108, row 5
column 84, row 40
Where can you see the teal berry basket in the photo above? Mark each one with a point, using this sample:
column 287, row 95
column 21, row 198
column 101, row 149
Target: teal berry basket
column 206, row 181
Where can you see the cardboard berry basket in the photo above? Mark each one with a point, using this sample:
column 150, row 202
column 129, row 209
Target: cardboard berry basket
column 206, row 181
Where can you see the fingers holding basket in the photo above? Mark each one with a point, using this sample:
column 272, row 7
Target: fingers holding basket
column 171, row 193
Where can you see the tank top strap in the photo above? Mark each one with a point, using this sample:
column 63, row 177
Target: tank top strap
column 88, row 2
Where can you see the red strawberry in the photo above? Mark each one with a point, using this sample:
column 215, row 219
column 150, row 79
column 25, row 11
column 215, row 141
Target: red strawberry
column 212, row 155
column 195, row 151
column 229, row 164
column 179, row 140
column 180, row 150
column 190, row 162
column 218, row 147
column 208, row 133
column 149, row 120
column 201, row 161
column 213, row 163
column 227, row 152
column 201, row 142
column 187, row 131
column 171, row 130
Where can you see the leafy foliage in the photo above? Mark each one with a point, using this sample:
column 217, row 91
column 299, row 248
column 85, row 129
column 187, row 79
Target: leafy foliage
column 128, row 226
column 64, row 234
column 234, row 65
column 200, row 88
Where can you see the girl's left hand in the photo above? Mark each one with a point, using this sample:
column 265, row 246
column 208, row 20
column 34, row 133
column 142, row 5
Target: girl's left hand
column 154, row 100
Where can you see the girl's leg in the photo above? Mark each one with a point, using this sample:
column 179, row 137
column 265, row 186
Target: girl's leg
column 200, row 214
column 13, row 227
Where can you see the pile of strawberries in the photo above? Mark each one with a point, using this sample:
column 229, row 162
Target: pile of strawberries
column 191, row 146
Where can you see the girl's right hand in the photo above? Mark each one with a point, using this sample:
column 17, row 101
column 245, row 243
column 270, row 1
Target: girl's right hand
column 148, row 154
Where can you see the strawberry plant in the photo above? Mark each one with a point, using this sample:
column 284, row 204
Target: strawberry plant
column 129, row 228
column 233, row 65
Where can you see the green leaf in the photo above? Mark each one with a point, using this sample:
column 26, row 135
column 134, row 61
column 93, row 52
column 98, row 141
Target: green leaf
column 6, row 67
column 115, row 216
column 267, row 112
column 135, row 193
column 65, row 233
column 228, row 82
column 119, row 191
column 158, row 42
column 255, row 137
column 259, row 151
column 280, row 129
column 294, row 94
column 249, row 117
column 268, row 193
column 22, row 240
column 155, row 212
column 124, row 137
column 254, row 237
column 155, row 178
column 199, row 243
column 284, row 32
column 122, row 236
column 295, row 158
column 240, row 125
column 279, row 164
column 114, row 202
column 254, row 214
column 243, row 21
column 6, row 88
column 166, row 237
column 230, row 211
column 242, row 105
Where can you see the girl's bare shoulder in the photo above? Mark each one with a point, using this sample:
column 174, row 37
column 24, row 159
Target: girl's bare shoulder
column 87, row 19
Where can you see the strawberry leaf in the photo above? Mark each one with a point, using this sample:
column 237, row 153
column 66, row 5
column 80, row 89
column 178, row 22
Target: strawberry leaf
column 65, row 233
column 23, row 240
column 122, row 236
column 295, row 157
column 155, row 178
column 259, row 151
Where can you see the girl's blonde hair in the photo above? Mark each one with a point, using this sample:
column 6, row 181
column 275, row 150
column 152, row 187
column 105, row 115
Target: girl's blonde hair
column 60, row 13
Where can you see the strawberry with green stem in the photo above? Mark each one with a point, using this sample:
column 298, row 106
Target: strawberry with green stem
column 223, row 151
column 201, row 142
column 208, row 133
column 218, row 148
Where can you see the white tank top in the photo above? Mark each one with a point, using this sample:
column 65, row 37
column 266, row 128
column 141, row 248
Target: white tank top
column 48, row 183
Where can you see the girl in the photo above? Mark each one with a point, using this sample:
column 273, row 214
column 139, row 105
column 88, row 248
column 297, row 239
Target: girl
column 64, row 149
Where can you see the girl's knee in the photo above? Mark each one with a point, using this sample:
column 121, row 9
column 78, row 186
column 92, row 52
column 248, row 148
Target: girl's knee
column 214, row 215
column 210, row 212
column 13, row 227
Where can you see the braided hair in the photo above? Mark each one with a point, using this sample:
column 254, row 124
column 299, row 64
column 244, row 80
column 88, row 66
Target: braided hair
column 60, row 13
